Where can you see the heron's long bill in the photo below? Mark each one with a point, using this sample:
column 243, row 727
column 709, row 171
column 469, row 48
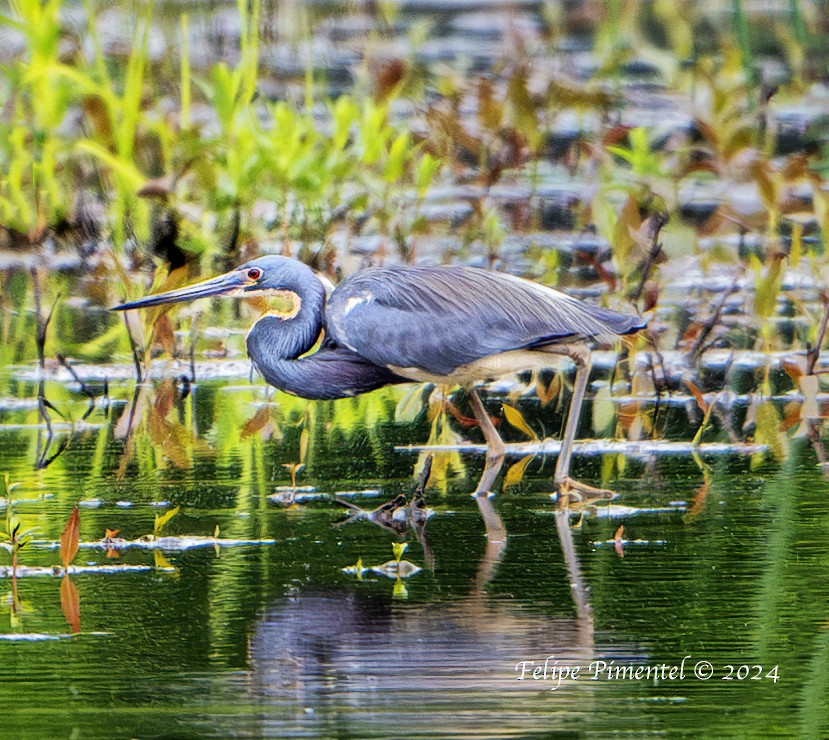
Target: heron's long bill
column 227, row 284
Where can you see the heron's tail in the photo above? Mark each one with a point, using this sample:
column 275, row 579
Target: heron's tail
column 618, row 323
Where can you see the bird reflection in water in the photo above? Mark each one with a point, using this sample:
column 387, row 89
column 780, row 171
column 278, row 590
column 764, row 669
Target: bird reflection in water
column 363, row 660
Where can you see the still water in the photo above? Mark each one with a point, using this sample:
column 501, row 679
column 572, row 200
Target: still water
column 723, row 563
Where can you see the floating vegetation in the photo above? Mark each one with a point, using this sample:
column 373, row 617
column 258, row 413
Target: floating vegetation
column 590, row 448
column 625, row 543
column 28, row 571
column 152, row 542
column 617, row 511
column 397, row 569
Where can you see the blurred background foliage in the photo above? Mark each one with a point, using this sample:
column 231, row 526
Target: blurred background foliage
column 666, row 155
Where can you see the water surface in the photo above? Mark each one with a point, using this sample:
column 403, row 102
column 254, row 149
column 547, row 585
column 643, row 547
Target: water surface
column 275, row 639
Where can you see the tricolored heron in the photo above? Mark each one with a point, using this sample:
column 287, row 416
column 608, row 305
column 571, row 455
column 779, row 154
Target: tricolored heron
column 454, row 325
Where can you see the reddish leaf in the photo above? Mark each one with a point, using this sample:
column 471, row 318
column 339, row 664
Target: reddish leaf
column 628, row 411
column 70, row 604
column 617, row 542
column 791, row 416
column 793, row 369
column 697, row 394
column 69, row 539
column 650, row 292
column 548, row 394
column 163, row 330
column 257, row 422
column 699, row 499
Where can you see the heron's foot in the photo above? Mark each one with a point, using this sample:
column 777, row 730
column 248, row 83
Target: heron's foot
column 481, row 492
column 575, row 494
column 487, row 482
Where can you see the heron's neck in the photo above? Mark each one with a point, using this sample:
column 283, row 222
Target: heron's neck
column 283, row 336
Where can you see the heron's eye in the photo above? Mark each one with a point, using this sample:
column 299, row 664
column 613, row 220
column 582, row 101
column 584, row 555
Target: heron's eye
column 254, row 273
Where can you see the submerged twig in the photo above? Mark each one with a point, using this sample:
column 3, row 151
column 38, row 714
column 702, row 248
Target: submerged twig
column 84, row 387
column 646, row 265
column 43, row 403
column 709, row 325
column 42, row 322
column 139, row 377
column 193, row 336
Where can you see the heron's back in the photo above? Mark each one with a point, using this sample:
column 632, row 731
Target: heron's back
column 438, row 319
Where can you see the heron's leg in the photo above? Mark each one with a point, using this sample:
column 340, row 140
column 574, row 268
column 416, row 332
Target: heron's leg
column 582, row 360
column 495, row 445
column 566, row 485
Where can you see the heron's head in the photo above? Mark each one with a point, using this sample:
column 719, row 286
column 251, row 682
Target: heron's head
column 264, row 277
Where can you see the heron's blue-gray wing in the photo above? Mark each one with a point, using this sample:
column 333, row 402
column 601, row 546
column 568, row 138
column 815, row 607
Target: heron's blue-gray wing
column 440, row 318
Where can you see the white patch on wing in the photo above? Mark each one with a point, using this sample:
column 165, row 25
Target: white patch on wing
column 355, row 301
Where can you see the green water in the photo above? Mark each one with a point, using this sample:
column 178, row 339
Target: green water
column 276, row 640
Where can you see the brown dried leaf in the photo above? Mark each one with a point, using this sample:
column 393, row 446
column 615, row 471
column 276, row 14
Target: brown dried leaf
column 793, row 370
column 617, row 542
column 70, row 604
column 456, row 136
column 650, row 293
column 165, row 397
column 389, row 77
column 257, row 422
column 550, row 392
column 699, row 499
column 163, row 334
column 69, row 538
column 769, row 191
column 97, row 118
column 791, row 416
column 697, row 394
column 796, row 167
column 627, row 414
